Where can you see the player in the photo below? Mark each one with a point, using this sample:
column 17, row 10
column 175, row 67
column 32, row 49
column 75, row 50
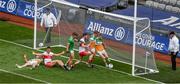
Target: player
column 84, row 50
column 70, row 48
column 33, row 63
column 48, row 55
column 92, row 44
column 100, row 48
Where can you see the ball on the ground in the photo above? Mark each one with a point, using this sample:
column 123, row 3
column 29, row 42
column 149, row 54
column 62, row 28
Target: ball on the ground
column 110, row 66
column 151, row 71
column 41, row 44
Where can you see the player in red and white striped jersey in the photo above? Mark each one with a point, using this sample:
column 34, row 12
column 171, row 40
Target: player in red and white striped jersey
column 84, row 50
column 48, row 55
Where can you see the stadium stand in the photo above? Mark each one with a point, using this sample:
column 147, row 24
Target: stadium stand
column 123, row 4
column 153, row 14
column 166, row 5
column 96, row 4
column 168, row 8
column 149, row 3
column 173, row 2
column 161, row 6
column 178, row 3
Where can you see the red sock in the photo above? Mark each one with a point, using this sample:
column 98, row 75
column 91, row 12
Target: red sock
column 90, row 61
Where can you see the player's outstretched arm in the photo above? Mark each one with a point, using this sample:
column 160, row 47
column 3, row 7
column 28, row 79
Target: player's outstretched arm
column 38, row 54
column 59, row 54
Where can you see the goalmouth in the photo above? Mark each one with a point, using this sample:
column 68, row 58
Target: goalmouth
column 127, row 38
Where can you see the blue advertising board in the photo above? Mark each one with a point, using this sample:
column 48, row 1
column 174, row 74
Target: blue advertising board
column 9, row 6
column 26, row 9
column 118, row 33
column 108, row 30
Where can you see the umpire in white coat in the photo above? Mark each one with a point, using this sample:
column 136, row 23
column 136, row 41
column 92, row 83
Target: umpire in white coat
column 173, row 48
column 48, row 21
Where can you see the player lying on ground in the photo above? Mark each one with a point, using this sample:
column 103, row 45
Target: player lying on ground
column 48, row 55
column 70, row 48
column 84, row 50
column 100, row 48
column 31, row 63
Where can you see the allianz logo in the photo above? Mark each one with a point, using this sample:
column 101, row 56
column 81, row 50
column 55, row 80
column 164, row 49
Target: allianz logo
column 116, row 33
column 2, row 4
column 11, row 6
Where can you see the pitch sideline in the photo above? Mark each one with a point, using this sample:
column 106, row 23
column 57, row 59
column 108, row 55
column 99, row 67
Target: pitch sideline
column 2, row 40
column 25, row 76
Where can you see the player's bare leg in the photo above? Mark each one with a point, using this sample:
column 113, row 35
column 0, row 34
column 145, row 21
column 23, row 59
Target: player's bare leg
column 106, row 57
column 91, row 57
column 60, row 63
column 26, row 62
column 90, row 60
column 77, row 62
column 22, row 66
column 70, row 60
column 25, row 58
column 104, row 60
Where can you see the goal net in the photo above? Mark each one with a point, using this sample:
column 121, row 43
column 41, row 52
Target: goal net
column 117, row 32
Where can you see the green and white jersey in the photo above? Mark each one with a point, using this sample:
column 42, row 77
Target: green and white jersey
column 71, row 44
column 92, row 42
column 99, row 41
column 92, row 38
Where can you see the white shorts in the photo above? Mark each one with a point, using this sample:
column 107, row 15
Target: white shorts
column 71, row 51
column 32, row 62
column 102, row 53
column 93, row 50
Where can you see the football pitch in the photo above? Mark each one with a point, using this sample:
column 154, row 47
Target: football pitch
column 16, row 41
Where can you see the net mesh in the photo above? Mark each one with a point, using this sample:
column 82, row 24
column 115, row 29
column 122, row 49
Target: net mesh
column 117, row 33
column 144, row 54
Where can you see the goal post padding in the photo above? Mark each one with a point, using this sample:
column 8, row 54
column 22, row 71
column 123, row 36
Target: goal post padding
column 117, row 32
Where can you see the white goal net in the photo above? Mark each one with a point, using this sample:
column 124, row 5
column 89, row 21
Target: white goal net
column 117, row 32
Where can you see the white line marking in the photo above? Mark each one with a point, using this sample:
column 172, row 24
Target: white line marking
column 17, row 74
column 94, row 64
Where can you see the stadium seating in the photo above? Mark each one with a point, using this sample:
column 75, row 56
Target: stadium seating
column 97, row 4
column 178, row 3
column 173, row 2
column 149, row 3
column 166, row 5
column 166, row 1
column 175, row 9
column 169, row 8
column 161, row 6
column 123, row 3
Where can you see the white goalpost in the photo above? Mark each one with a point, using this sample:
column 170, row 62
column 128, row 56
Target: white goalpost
column 128, row 38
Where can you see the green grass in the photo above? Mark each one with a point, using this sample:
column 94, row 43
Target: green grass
column 10, row 78
column 11, row 54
